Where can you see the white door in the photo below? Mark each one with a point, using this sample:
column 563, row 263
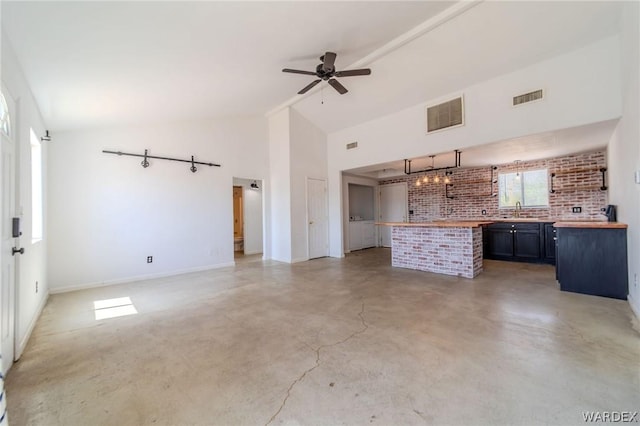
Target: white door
column 7, row 258
column 393, row 208
column 318, row 216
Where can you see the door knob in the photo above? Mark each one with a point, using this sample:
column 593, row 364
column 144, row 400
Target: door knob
column 15, row 250
column 311, row 223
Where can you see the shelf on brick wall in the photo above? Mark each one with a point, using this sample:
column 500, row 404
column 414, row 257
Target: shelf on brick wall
column 566, row 188
column 577, row 188
column 574, row 171
column 471, row 182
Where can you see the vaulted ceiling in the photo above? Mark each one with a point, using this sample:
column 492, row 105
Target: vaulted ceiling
column 114, row 63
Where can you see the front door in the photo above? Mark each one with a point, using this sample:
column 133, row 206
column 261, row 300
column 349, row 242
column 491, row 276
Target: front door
column 317, row 213
column 7, row 259
column 393, row 208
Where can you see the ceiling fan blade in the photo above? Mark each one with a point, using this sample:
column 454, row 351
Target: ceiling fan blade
column 299, row 71
column 351, row 73
column 308, row 87
column 329, row 60
column 336, row 85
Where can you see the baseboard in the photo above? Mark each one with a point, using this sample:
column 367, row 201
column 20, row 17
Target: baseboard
column 634, row 306
column 127, row 280
column 249, row 253
column 23, row 343
column 300, row 259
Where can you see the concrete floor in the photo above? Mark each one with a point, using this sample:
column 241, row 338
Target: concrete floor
column 330, row 341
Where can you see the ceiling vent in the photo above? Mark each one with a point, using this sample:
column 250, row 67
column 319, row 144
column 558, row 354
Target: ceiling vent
column 352, row 145
column 527, row 97
column 445, row 115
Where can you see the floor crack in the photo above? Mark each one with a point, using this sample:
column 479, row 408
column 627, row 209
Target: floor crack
column 364, row 328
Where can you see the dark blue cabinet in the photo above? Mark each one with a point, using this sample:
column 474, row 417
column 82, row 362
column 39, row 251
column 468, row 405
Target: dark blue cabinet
column 518, row 242
column 592, row 261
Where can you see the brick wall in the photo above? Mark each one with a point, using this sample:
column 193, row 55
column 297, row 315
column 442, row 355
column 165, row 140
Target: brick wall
column 471, row 189
column 451, row 251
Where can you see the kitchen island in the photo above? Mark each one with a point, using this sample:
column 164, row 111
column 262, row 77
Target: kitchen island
column 443, row 247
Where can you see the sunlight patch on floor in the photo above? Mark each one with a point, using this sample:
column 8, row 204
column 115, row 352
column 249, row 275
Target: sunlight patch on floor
column 113, row 308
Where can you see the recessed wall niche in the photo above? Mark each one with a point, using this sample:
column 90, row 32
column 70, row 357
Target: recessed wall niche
column 361, row 202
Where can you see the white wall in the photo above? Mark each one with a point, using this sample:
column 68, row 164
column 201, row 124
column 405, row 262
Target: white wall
column 624, row 147
column 252, row 215
column 308, row 160
column 108, row 213
column 581, row 87
column 31, row 266
column 279, row 190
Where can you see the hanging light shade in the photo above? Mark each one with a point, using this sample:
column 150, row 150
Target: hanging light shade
column 517, row 169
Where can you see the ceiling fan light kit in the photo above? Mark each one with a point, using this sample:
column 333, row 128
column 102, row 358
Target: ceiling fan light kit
column 326, row 71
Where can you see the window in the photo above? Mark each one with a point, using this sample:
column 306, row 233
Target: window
column 36, row 189
column 5, row 118
column 529, row 187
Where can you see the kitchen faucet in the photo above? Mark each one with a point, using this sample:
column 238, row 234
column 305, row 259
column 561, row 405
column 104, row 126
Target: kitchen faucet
column 516, row 213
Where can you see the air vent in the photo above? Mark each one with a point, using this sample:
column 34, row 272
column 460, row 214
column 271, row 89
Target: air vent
column 444, row 115
column 527, row 97
column 352, row 145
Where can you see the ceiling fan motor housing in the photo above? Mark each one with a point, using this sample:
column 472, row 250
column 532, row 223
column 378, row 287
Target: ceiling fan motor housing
column 325, row 75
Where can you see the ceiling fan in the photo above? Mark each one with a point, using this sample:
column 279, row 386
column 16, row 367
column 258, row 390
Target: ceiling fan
column 327, row 71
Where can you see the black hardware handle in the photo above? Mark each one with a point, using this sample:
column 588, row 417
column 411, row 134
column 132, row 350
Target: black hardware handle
column 14, row 250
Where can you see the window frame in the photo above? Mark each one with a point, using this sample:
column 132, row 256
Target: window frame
column 522, row 180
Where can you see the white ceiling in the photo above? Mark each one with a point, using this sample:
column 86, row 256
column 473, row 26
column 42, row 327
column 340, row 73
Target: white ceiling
column 94, row 64
column 488, row 40
column 112, row 63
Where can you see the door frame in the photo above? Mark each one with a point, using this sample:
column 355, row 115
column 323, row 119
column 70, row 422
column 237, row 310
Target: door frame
column 13, row 106
column 326, row 207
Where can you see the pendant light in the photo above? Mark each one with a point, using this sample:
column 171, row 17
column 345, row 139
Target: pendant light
column 517, row 169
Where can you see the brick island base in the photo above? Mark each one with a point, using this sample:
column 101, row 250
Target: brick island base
column 450, row 250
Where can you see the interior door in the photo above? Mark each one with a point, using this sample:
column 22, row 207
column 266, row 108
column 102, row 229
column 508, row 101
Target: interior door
column 7, row 258
column 238, row 225
column 318, row 215
column 394, row 207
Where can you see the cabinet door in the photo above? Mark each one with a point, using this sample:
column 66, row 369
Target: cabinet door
column 355, row 236
column 526, row 243
column 368, row 235
column 549, row 241
column 500, row 242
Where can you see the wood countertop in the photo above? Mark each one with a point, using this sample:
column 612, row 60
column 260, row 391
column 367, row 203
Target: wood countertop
column 438, row 224
column 592, row 224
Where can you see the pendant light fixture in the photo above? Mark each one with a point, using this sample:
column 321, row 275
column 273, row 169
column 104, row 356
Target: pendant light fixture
column 436, row 178
column 517, row 169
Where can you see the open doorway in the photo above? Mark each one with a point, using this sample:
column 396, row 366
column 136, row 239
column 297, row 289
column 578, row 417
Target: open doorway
column 247, row 218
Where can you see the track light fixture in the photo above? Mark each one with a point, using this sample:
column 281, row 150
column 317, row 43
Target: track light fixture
column 254, row 185
column 46, row 137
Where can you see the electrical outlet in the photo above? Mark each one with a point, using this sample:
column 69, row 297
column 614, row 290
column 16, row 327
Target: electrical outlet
column 149, row 259
column 410, row 211
column 36, row 286
column 484, row 212
column 576, row 209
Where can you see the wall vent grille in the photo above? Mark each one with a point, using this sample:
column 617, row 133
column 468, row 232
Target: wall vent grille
column 446, row 114
column 352, row 145
column 527, row 97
